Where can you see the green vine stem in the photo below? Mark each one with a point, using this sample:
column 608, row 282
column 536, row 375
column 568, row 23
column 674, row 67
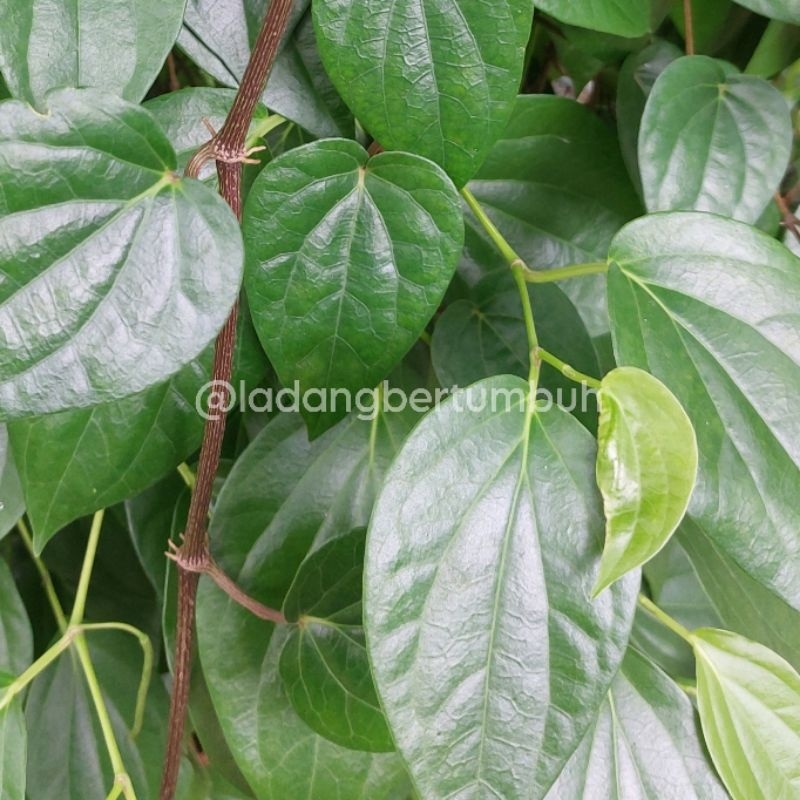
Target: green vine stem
column 665, row 619
column 73, row 635
column 564, row 273
column 566, row 370
column 507, row 251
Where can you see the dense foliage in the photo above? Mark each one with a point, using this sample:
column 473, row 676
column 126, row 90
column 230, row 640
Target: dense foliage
column 511, row 455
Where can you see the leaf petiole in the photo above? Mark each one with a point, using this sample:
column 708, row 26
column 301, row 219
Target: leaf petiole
column 566, row 370
column 666, row 620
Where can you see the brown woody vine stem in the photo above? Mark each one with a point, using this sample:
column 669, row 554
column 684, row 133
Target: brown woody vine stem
column 228, row 149
column 688, row 26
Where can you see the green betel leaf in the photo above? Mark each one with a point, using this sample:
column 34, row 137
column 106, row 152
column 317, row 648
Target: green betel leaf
column 710, row 307
column 627, row 18
column 67, row 757
column 13, row 746
column 645, row 744
column 786, row 10
column 348, row 258
column 435, row 78
column 324, row 662
column 557, row 188
column 218, row 35
column 16, row 637
column 490, row 657
column 284, row 499
column 114, row 272
column 749, row 701
column 12, row 504
column 646, row 468
column 116, row 45
column 713, row 140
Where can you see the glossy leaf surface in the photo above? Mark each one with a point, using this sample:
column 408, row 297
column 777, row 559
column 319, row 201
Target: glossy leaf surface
column 347, row 260
column 646, row 468
column 13, row 746
column 476, row 587
column 621, row 17
column 48, row 44
column 713, row 140
column 645, row 744
column 690, row 303
column 113, row 273
column 447, row 72
column 16, row 638
column 749, row 701
column 12, row 504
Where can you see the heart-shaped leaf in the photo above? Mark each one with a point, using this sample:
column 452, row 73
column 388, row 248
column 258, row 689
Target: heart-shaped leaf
column 749, row 701
column 490, row 658
column 646, row 468
column 713, row 140
column 116, row 45
column 689, row 303
column 347, row 259
column 114, row 272
column 557, row 188
column 627, row 18
column 446, row 72
column 324, row 662
column 284, row 499
column 645, row 744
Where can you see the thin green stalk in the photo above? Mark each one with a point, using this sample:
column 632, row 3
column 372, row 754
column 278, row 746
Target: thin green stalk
column 530, row 327
column 42, row 663
column 79, row 608
column 665, row 619
column 563, row 273
column 508, row 252
column 566, row 370
column 47, row 581
column 189, row 478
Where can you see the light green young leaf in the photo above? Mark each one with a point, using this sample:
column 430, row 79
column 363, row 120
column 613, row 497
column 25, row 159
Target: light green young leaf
column 114, row 272
column 490, row 657
column 434, row 78
column 749, row 701
column 711, row 308
column 348, row 258
column 116, row 45
column 713, row 140
column 646, row 468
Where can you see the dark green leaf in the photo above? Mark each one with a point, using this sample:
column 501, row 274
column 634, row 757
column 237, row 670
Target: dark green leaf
column 485, row 336
column 116, row 45
column 13, row 746
column 12, row 504
column 646, row 468
column 67, row 758
column 621, row 17
column 742, row 604
column 324, row 662
column 710, row 307
column 218, row 35
column 435, row 78
column 787, row 10
column 284, row 498
column 115, row 272
column 635, row 82
column 16, row 638
column 713, row 140
column 490, row 658
column 347, row 260
column 645, row 744
column 749, row 701
column 557, row 188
